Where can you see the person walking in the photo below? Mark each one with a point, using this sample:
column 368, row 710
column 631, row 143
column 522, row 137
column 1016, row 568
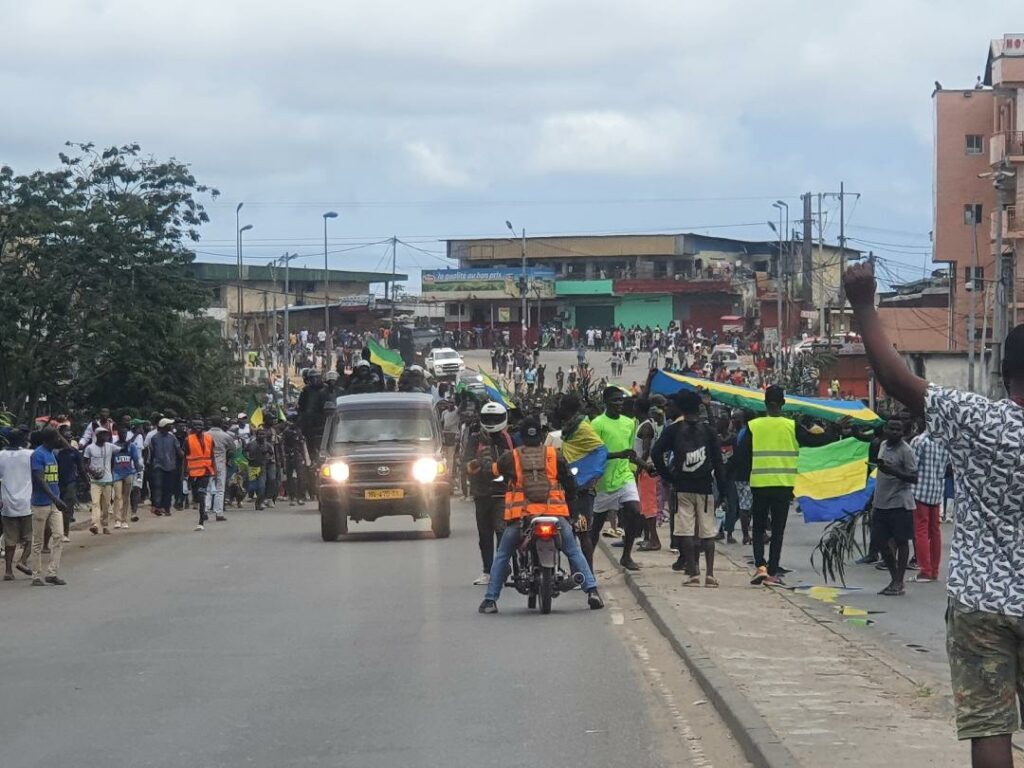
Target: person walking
column 69, row 464
column 985, row 611
column 199, row 466
column 98, row 457
column 771, row 445
column 127, row 463
column 932, row 463
column 47, row 507
column 617, row 491
column 224, row 445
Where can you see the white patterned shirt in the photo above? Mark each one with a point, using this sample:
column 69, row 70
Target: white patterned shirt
column 985, row 440
column 932, row 460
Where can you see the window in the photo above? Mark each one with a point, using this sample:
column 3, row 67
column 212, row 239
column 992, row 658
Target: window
column 979, row 278
column 660, row 268
column 972, row 213
column 975, row 144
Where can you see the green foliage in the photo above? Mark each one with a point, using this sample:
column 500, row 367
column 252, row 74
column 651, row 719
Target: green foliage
column 840, row 541
column 96, row 306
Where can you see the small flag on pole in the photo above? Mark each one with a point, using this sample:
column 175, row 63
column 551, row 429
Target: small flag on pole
column 389, row 361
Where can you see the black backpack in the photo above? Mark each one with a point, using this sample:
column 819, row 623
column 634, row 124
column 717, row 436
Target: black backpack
column 691, row 451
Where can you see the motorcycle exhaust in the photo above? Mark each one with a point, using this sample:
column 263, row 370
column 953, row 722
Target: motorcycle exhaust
column 578, row 579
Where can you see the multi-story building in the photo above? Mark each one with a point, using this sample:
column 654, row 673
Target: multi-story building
column 261, row 293
column 625, row 280
column 979, row 152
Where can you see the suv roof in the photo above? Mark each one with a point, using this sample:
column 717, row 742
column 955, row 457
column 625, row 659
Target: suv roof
column 386, row 399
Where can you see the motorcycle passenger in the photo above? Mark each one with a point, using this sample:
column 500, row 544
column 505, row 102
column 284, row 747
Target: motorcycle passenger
column 311, row 416
column 484, row 447
column 413, row 379
column 561, row 487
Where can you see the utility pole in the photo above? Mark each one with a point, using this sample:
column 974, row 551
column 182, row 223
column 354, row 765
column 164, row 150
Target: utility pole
column 328, row 346
column 287, row 260
column 238, row 296
column 394, row 290
column 806, row 252
column 525, row 316
column 842, row 242
column 972, row 286
column 821, row 270
column 1004, row 283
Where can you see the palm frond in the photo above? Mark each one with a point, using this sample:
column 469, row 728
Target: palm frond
column 840, row 542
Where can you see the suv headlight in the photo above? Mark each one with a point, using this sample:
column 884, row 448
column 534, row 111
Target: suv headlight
column 425, row 470
column 337, row 471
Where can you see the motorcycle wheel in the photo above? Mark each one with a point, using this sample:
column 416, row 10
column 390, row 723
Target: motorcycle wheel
column 531, row 601
column 547, row 586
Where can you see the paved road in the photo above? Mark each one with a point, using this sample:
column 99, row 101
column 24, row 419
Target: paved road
column 255, row 644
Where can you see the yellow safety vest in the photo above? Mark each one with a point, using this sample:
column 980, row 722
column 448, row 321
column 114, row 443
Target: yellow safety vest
column 775, row 452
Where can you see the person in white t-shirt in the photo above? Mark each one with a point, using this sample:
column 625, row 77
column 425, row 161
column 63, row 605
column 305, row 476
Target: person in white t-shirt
column 15, row 502
column 98, row 457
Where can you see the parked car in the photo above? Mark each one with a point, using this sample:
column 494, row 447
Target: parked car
column 383, row 457
column 444, row 362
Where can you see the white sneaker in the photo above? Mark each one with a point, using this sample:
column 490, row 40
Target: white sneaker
column 125, row 526
column 116, row 526
column 66, row 539
column 482, row 580
column 199, row 528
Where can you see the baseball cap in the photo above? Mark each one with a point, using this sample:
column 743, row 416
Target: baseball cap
column 242, row 416
column 165, row 423
column 101, row 429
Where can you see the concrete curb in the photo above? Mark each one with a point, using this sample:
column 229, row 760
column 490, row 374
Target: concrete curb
column 760, row 744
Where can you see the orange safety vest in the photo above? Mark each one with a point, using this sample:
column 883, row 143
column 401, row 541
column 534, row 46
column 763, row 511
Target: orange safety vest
column 199, row 461
column 516, row 504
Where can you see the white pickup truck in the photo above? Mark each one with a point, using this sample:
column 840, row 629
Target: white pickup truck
column 444, row 362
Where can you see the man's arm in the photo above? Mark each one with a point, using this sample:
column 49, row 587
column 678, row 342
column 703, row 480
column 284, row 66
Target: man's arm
column 662, row 446
column 892, row 372
column 566, row 478
column 715, row 446
column 807, row 439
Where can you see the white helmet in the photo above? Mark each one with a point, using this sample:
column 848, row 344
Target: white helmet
column 493, row 417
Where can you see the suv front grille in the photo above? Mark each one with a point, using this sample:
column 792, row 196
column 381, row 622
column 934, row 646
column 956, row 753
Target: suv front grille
column 398, row 471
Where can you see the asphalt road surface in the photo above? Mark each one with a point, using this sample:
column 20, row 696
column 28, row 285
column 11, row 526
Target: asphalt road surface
column 255, row 644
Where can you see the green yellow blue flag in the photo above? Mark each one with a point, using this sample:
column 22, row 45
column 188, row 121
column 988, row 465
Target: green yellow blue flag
column 495, row 391
column 255, row 413
column 832, row 481
column 388, row 359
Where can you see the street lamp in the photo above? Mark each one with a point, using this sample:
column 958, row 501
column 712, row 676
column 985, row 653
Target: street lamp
column 327, row 300
column 241, row 322
column 238, row 259
column 523, row 283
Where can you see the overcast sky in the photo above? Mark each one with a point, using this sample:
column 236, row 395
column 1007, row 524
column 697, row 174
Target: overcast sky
column 439, row 119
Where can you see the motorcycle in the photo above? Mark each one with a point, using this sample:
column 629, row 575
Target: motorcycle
column 538, row 571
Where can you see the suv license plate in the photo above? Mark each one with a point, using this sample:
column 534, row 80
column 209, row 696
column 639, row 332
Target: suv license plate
column 385, row 493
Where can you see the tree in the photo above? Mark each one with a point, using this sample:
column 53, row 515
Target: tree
column 97, row 306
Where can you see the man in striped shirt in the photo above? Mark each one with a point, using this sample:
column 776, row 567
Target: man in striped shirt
column 932, row 460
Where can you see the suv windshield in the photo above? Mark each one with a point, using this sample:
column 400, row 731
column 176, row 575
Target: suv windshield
column 377, row 426
column 445, row 355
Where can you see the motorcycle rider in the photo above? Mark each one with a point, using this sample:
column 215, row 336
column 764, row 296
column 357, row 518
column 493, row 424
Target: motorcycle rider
column 413, row 379
column 484, row 446
column 311, row 417
column 561, row 487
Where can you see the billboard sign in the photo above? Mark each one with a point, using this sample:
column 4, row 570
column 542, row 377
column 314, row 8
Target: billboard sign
column 499, row 283
column 1013, row 45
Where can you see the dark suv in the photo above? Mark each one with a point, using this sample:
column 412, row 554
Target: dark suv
column 383, row 456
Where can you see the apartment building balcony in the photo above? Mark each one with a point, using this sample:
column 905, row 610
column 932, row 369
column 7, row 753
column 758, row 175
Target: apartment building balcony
column 1013, row 225
column 1008, row 145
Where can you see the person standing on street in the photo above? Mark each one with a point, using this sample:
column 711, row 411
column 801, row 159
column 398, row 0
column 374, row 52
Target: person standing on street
column 69, row 463
column 695, row 468
column 892, row 512
column 47, row 508
column 16, row 501
column 199, row 466
column 771, row 447
column 617, row 490
column 985, row 612
column 932, row 463
column 484, row 447
column 257, row 453
column 98, row 457
column 164, row 451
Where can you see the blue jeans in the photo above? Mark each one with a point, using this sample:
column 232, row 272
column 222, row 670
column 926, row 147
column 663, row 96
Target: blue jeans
column 510, row 540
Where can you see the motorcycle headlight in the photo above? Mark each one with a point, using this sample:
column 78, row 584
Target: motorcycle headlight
column 425, row 470
column 337, row 471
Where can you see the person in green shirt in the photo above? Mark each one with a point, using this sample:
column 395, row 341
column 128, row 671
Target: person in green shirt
column 617, row 490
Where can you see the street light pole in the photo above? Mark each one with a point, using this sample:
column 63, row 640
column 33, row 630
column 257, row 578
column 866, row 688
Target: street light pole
column 241, row 293
column 327, row 301
column 525, row 317
column 286, row 259
column 238, row 258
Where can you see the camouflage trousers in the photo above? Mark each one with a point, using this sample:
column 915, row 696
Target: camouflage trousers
column 986, row 664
